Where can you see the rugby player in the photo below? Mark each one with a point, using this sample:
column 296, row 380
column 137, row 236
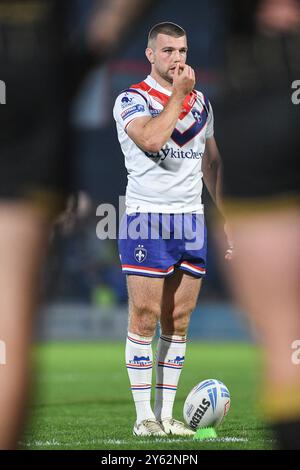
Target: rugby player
column 42, row 65
column 166, row 132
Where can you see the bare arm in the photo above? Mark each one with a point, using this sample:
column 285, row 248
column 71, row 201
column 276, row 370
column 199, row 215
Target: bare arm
column 212, row 172
column 151, row 134
column 212, row 176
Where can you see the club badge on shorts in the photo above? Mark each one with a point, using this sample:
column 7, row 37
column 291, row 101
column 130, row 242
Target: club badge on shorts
column 140, row 253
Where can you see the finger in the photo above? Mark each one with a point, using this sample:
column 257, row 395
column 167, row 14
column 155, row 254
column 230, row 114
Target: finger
column 182, row 69
column 188, row 71
column 176, row 71
column 193, row 75
column 185, row 68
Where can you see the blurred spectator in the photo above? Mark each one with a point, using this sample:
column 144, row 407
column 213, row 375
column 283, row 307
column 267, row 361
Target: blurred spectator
column 43, row 59
column 259, row 142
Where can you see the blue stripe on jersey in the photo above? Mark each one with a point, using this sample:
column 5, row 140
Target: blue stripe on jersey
column 182, row 138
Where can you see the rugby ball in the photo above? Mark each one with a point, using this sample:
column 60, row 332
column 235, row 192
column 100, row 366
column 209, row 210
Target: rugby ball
column 207, row 404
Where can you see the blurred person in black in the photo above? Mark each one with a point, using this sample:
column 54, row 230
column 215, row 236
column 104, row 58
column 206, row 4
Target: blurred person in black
column 42, row 62
column 259, row 142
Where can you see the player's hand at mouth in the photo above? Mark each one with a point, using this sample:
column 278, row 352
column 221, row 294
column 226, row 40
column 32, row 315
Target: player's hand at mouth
column 183, row 79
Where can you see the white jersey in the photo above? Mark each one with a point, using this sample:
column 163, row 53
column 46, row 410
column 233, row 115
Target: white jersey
column 169, row 181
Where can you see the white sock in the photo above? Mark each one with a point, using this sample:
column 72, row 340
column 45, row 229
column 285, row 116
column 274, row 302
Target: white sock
column 139, row 366
column 169, row 363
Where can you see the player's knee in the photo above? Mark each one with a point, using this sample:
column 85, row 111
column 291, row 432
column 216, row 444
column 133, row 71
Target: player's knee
column 146, row 309
column 144, row 318
column 143, row 326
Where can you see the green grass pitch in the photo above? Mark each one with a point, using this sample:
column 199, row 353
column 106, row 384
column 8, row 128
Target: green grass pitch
column 83, row 401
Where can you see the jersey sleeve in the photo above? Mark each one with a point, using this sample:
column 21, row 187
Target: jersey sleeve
column 130, row 105
column 210, row 123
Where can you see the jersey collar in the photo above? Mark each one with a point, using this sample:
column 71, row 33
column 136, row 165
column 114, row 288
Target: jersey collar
column 153, row 83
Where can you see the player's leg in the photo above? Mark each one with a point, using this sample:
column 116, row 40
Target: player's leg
column 23, row 239
column 145, row 295
column 265, row 276
column 180, row 295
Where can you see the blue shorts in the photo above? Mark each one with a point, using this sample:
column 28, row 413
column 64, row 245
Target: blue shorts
column 154, row 245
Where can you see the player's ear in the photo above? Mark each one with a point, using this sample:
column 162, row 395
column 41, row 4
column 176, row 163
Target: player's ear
column 150, row 55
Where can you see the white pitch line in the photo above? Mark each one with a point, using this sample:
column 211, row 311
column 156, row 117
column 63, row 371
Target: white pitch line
column 55, row 443
column 144, row 441
column 174, row 441
column 228, row 439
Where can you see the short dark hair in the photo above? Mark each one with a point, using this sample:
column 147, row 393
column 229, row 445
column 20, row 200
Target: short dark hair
column 168, row 28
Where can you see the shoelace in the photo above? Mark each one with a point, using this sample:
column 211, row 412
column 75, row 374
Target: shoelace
column 152, row 426
column 177, row 423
